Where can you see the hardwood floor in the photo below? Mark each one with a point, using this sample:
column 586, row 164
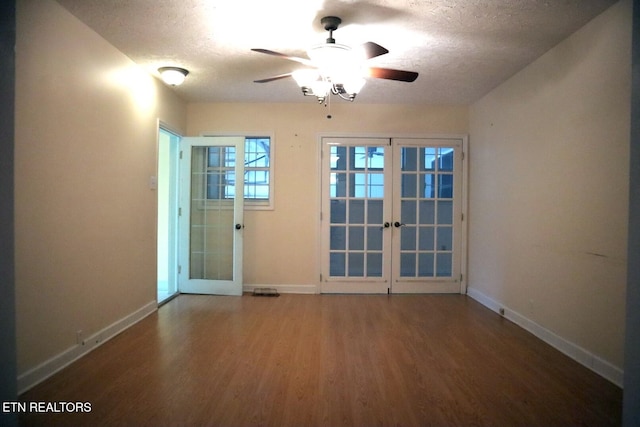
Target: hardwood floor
column 310, row 360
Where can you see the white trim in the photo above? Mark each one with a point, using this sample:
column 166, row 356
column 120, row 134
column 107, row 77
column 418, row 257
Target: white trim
column 577, row 353
column 285, row 289
column 36, row 375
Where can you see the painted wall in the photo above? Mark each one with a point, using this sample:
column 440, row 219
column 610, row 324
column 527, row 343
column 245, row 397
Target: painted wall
column 281, row 246
column 549, row 156
column 86, row 137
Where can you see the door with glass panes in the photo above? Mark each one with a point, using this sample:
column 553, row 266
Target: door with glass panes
column 391, row 215
column 211, row 215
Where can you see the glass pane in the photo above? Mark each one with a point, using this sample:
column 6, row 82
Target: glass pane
column 358, row 156
column 337, row 266
column 338, row 185
column 408, row 211
column 428, row 159
column 374, row 265
column 356, row 238
column 374, row 238
column 338, row 238
column 409, row 159
column 338, row 158
column 427, row 212
column 338, row 211
column 445, row 160
column 356, row 211
column 443, row 265
column 426, row 238
column 356, row 264
column 446, row 186
column 374, row 212
column 215, row 185
column 445, row 239
column 408, row 238
column 428, row 185
column 425, row 265
column 407, row 264
column 445, row 212
column 374, row 157
column 408, row 185
column 357, row 185
column 376, row 185
column 212, row 216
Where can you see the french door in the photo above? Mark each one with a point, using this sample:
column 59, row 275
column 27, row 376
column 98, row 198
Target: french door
column 211, row 215
column 391, row 215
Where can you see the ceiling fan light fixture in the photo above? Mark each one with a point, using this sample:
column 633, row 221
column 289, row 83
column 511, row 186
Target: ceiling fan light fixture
column 354, row 85
column 173, row 76
column 337, row 69
column 305, row 77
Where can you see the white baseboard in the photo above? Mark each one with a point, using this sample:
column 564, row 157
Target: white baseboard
column 577, row 353
column 285, row 289
column 46, row 369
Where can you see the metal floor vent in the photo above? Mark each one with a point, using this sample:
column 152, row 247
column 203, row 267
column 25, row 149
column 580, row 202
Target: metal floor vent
column 265, row 292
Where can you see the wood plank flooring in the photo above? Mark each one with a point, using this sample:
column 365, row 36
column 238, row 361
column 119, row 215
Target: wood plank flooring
column 312, row 360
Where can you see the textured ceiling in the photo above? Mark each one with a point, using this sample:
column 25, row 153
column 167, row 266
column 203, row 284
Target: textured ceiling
column 461, row 48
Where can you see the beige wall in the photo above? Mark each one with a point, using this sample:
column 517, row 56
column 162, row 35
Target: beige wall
column 281, row 246
column 549, row 155
column 86, row 129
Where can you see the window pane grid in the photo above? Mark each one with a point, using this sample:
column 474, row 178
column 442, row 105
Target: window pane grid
column 356, row 189
column 257, row 166
column 426, row 211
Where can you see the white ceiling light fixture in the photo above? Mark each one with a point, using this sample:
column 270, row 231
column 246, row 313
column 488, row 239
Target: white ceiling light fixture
column 173, row 76
column 336, row 68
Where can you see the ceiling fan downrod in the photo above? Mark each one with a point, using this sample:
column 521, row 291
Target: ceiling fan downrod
column 331, row 23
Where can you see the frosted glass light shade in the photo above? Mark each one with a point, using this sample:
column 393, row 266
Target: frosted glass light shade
column 173, row 76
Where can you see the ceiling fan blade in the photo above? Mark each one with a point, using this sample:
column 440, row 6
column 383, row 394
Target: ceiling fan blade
column 270, row 79
column 371, row 50
column 282, row 55
column 389, row 74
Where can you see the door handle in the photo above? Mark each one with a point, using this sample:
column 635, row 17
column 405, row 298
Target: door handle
column 239, row 226
column 385, row 225
column 397, row 224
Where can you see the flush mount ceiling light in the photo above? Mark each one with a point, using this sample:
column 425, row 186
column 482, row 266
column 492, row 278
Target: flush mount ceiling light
column 173, row 76
column 337, row 69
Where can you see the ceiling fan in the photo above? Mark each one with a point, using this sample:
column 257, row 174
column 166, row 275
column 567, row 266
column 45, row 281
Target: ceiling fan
column 334, row 68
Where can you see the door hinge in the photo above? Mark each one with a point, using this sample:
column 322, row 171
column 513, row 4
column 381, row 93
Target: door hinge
column 179, row 269
column 179, row 211
column 461, row 277
column 180, row 154
column 462, row 217
column 321, row 277
column 463, row 155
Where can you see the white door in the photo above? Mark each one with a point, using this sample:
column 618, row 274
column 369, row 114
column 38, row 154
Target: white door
column 391, row 215
column 211, row 215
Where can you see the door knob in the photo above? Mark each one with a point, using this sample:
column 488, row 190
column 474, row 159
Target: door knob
column 238, row 226
column 397, row 224
column 385, row 225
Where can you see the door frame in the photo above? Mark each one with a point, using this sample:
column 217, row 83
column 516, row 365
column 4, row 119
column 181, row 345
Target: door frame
column 172, row 215
column 464, row 228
